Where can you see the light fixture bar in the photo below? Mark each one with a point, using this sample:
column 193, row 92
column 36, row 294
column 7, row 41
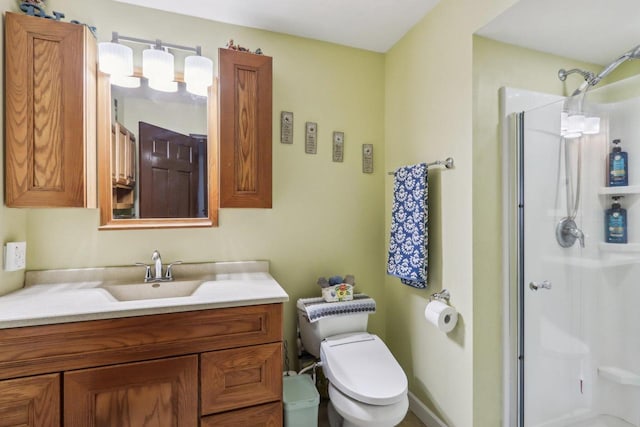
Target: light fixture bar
column 115, row 37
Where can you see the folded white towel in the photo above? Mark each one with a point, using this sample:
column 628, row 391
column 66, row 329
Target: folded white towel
column 318, row 308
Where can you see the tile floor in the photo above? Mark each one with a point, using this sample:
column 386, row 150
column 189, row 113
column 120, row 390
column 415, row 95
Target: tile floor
column 409, row 421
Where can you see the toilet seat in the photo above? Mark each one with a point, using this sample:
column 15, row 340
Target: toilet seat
column 361, row 366
column 361, row 414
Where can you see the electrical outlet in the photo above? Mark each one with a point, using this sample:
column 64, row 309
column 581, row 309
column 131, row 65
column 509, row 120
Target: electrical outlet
column 15, row 256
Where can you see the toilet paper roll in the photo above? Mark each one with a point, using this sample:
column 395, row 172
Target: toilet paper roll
column 443, row 316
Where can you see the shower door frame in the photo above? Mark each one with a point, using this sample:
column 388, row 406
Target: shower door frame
column 513, row 273
column 513, row 188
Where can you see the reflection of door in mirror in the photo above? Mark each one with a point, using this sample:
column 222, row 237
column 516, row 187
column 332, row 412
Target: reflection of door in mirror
column 169, row 173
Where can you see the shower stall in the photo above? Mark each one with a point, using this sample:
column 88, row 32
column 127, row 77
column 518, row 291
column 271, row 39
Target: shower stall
column 572, row 339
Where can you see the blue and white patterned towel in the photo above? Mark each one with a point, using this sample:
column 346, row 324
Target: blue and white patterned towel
column 317, row 308
column 409, row 237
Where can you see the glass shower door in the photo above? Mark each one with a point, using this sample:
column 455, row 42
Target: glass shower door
column 578, row 347
column 556, row 357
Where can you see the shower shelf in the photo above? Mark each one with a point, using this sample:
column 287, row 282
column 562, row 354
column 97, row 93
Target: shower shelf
column 631, row 189
column 594, row 263
column 618, row 375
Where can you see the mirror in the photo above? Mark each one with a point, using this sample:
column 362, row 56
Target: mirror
column 157, row 156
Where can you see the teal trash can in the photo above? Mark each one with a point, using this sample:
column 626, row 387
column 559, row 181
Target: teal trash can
column 301, row 400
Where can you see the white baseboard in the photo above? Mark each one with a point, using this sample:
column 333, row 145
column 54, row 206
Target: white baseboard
column 425, row 414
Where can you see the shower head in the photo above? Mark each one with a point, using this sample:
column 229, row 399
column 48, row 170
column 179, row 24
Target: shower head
column 634, row 53
column 631, row 54
column 591, row 79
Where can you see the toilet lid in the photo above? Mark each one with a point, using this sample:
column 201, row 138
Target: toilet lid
column 362, row 367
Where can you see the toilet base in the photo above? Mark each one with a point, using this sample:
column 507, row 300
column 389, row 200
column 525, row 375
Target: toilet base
column 346, row 412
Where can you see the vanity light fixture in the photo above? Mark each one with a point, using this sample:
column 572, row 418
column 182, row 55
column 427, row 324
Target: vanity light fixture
column 116, row 59
column 157, row 64
column 198, row 74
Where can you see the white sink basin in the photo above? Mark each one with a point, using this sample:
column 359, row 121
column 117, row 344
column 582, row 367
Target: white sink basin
column 153, row 290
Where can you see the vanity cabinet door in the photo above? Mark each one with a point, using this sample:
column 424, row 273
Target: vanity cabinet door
column 159, row 393
column 269, row 415
column 240, row 377
column 50, row 113
column 30, row 402
column 245, row 129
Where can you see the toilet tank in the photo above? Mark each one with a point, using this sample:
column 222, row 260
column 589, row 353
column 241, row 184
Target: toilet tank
column 312, row 334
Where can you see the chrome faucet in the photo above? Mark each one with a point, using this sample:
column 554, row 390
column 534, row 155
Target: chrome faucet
column 578, row 234
column 157, row 260
column 158, row 263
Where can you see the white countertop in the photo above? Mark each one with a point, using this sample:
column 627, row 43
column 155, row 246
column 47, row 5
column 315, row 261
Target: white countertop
column 44, row 302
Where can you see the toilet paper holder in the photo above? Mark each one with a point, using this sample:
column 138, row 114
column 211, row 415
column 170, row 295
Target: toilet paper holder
column 442, row 296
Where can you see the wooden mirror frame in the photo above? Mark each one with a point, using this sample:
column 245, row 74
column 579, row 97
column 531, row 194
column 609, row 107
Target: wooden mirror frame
column 105, row 199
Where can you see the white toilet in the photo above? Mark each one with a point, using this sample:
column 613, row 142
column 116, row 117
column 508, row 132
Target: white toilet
column 367, row 386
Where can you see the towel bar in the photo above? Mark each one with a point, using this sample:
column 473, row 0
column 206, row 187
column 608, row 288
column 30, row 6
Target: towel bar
column 447, row 163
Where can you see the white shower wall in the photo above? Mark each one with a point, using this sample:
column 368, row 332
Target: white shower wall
column 588, row 319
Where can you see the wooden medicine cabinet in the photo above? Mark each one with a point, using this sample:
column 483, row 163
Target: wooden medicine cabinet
column 50, row 113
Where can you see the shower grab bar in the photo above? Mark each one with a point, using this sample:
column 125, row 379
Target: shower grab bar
column 447, row 163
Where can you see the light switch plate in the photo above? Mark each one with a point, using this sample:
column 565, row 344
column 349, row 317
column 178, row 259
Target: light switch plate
column 15, row 256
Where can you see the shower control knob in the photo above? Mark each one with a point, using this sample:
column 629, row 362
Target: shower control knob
column 534, row 286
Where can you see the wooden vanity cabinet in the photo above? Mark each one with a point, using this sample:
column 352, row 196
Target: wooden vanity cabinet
column 50, row 113
column 245, row 97
column 209, row 367
column 162, row 393
column 30, row 402
column 268, row 415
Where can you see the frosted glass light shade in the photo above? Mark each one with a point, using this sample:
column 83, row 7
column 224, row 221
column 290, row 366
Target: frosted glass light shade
column 197, row 90
column 575, row 123
column 115, row 59
column 163, row 85
column 157, row 65
column 125, row 81
column 591, row 125
column 198, row 71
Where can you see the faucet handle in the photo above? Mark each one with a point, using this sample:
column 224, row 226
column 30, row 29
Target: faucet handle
column 147, row 272
column 169, row 274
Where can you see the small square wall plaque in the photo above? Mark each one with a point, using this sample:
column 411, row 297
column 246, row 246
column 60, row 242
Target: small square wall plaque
column 286, row 127
column 311, row 138
column 338, row 146
column 367, row 158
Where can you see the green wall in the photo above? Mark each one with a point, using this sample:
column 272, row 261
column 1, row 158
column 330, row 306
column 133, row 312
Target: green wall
column 429, row 107
column 327, row 218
